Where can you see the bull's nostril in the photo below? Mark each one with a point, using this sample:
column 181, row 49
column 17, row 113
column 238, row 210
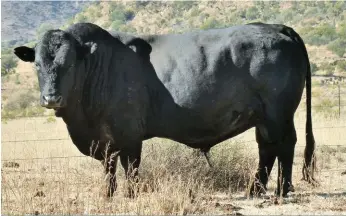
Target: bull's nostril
column 45, row 99
column 51, row 101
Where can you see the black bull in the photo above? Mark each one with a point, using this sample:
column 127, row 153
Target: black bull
column 199, row 88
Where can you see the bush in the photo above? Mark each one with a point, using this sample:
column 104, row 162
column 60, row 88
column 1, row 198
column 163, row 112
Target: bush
column 183, row 5
column 8, row 62
column 127, row 28
column 116, row 25
column 313, row 68
column 21, row 105
column 129, row 14
column 194, row 12
column 320, row 35
column 81, row 18
column 328, row 68
column 210, row 23
column 252, row 13
column 338, row 47
column 341, row 65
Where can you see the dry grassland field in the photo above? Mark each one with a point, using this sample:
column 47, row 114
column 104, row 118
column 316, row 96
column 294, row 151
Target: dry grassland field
column 44, row 173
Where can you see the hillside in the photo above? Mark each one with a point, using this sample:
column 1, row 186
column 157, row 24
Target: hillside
column 321, row 24
column 20, row 19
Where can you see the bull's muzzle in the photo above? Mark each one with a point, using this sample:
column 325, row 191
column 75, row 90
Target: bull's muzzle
column 52, row 101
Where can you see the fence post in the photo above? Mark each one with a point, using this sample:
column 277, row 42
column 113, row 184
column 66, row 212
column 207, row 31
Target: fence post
column 339, row 101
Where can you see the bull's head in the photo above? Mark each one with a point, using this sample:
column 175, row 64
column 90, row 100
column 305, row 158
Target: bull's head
column 56, row 56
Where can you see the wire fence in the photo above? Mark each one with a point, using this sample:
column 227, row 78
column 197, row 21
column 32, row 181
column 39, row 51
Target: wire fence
column 17, row 136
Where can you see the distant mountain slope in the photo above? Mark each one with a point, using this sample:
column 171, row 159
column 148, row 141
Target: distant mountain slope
column 20, row 19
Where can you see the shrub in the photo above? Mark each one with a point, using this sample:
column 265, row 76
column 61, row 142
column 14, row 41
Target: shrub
column 210, row 23
column 341, row 65
column 17, row 79
column 81, row 18
column 127, row 28
column 21, row 105
column 117, row 13
column 252, row 13
column 129, row 14
column 327, row 67
column 194, row 12
column 338, row 47
column 116, row 25
column 183, row 5
column 8, row 62
column 320, row 35
column 313, row 68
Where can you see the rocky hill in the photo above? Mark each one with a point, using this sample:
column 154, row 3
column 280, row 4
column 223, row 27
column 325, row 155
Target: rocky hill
column 21, row 19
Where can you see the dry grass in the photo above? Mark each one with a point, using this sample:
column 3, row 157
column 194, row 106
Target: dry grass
column 173, row 180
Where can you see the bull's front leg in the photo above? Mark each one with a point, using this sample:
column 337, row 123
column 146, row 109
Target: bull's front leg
column 130, row 157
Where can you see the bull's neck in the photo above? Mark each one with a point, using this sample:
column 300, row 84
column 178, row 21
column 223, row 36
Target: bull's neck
column 91, row 83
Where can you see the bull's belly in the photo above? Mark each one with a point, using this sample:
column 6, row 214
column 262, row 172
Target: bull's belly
column 198, row 133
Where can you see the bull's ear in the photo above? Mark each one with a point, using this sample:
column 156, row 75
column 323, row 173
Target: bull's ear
column 141, row 47
column 25, row 53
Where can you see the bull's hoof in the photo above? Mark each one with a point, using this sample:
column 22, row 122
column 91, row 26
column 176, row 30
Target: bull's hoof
column 284, row 192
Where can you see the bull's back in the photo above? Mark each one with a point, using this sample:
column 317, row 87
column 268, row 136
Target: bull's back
column 215, row 65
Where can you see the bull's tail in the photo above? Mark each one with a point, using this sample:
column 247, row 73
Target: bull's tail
column 309, row 165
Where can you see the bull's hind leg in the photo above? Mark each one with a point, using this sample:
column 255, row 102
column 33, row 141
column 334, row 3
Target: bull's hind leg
column 285, row 158
column 267, row 156
column 130, row 157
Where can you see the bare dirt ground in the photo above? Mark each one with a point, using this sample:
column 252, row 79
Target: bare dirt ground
column 48, row 175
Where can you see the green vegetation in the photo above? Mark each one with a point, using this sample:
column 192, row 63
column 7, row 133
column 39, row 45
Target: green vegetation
column 338, row 46
column 313, row 68
column 328, row 68
column 42, row 29
column 341, row 65
column 23, row 104
column 210, row 23
column 319, row 23
column 8, row 62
